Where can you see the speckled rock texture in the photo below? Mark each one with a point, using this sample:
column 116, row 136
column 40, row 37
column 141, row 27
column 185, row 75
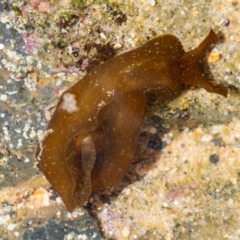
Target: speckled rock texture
column 184, row 183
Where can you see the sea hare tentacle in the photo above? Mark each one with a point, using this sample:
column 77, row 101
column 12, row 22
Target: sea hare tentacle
column 92, row 136
column 197, row 74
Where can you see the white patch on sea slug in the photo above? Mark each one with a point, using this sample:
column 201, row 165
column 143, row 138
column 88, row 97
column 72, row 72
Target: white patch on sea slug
column 69, row 103
column 41, row 137
column 110, row 93
column 101, row 104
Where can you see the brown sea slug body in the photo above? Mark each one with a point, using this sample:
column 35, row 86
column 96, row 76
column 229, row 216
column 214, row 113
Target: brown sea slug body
column 93, row 134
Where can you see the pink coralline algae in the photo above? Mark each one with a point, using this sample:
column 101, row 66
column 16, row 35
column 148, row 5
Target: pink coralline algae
column 32, row 42
column 24, row 9
column 85, row 63
column 44, row 7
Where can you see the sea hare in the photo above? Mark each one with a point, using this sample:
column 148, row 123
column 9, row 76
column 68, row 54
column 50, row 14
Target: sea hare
column 92, row 137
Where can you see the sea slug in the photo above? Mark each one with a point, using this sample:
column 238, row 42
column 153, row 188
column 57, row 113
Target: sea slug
column 92, row 136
